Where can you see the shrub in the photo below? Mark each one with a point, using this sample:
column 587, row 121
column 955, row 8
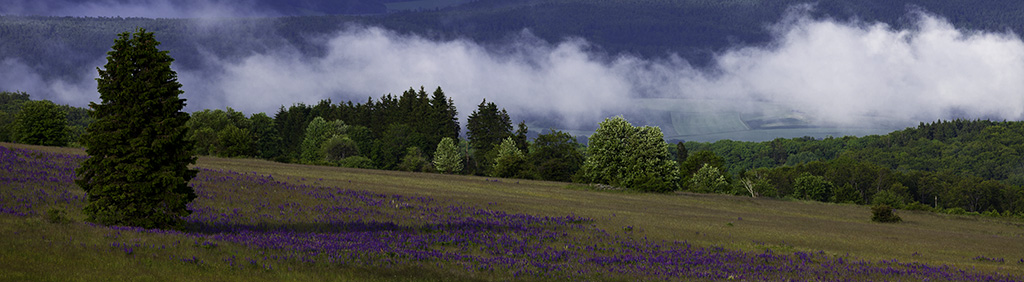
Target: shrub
column 917, row 206
column 884, row 213
column 812, row 187
column 57, row 215
column 888, row 197
column 415, row 161
column 959, row 211
column 708, row 179
column 357, row 162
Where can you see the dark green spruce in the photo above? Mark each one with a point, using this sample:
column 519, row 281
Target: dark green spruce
column 137, row 173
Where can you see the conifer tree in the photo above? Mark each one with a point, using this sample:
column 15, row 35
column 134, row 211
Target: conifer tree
column 444, row 116
column 521, row 137
column 486, row 128
column 137, row 173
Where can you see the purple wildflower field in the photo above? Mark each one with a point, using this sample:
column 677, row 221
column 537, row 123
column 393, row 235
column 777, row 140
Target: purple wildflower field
column 298, row 222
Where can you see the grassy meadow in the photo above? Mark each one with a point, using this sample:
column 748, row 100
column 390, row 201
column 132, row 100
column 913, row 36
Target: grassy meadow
column 262, row 220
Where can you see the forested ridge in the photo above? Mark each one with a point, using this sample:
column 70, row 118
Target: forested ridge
column 975, row 165
column 958, row 166
column 695, row 30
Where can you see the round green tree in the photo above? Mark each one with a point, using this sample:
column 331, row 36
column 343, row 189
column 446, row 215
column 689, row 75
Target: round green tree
column 447, row 158
column 511, row 162
column 633, row 157
column 812, row 187
column 41, row 123
column 137, row 173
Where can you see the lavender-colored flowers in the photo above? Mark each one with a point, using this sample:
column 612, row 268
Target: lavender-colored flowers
column 301, row 222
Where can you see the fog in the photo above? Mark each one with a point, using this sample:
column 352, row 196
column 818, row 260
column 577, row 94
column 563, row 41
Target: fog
column 836, row 72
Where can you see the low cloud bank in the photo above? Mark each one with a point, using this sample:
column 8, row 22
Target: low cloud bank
column 837, row 72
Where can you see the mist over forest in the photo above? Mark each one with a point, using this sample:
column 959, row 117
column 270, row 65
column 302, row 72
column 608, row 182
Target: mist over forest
column 699, row 71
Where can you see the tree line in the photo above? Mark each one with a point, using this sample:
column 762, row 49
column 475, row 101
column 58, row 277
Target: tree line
column 413, row 131
column 958, row 166
column 40, row 122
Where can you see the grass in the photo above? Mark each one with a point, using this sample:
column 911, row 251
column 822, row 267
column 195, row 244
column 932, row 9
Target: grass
column 702, row 218
column 40, row 250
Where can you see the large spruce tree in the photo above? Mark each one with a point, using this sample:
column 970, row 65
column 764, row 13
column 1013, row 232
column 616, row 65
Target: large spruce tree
column 137, row 173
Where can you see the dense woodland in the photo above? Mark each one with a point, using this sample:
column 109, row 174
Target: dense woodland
column 958, row 166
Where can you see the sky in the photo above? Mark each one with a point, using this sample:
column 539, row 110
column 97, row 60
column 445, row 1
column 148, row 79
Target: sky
column 136, row 8
column 845, row 73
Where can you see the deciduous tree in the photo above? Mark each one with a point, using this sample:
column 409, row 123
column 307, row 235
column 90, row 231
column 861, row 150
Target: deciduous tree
column 510, row 161
column 41, row 123
column 556, row 156
column 447, row 158
column 633, row 157
column 317, row 132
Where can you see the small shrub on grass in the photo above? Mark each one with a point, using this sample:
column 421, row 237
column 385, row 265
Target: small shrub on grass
column 57, row 215
column 991, row 213
column 917, row 206
column 356, row 162
column 884, row 213
column 959, row 211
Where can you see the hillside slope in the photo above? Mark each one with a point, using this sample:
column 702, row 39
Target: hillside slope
column 279, row 204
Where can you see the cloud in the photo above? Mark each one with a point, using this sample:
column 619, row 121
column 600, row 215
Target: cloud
column 842, row 71
column 362, row 62
column 834, row 73
column 837, row 72
column 17, row 76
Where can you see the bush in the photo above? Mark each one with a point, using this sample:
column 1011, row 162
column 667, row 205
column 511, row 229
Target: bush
column 917, row 206
column 357, row 162
column 991, row 213
column 888, row 197
column 959, row 211
column 415, row 161
column 884, row 213
column 708, row 179
column 812, row 187
column 339, row 147
column 57, row 215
